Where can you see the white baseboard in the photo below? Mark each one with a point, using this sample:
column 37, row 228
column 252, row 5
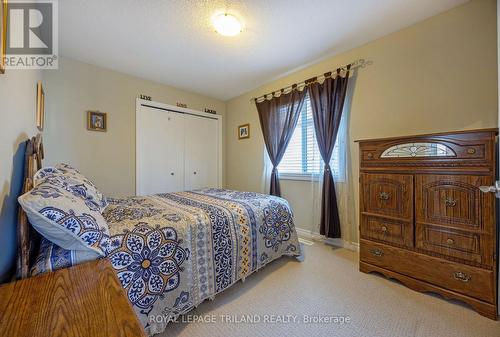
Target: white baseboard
column 342, row 243
column 308, row 235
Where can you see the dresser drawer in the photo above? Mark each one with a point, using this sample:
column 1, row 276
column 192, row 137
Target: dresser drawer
column 454, row 201
column 387, row 194
column 388, row 230
column 450, row 242
column 470, row 281
column 468, row 246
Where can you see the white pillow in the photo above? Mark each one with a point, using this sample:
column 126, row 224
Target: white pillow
column 65, row 218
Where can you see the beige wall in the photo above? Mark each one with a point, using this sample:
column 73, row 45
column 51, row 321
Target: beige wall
column 17, row 124
column 107, row 158
column 438, row 75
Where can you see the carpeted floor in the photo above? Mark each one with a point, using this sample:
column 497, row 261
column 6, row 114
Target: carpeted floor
column 328, row 285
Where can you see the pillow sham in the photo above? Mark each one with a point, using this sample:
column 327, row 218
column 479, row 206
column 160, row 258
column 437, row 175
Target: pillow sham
column 44, row 173
column 69, row 178
column 74, row 174
column 52, row 257
column 60, row 215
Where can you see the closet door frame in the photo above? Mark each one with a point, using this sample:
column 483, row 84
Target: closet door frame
column 176, row 109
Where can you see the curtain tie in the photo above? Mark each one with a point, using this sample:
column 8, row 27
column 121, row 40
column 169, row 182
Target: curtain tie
column 275, row 169
column 327, row 168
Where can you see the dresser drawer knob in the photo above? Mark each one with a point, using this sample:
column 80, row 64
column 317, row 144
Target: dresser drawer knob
column 383, row 228
column 450, row 242
column 384, row 196
column 471, row 150
column 377, row 252
column 458, row 275
column 450, row 202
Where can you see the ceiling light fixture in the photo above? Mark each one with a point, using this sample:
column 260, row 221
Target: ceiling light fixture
column 227, row 24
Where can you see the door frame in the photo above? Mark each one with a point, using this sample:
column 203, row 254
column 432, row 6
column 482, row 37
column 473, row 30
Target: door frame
column 172, row 108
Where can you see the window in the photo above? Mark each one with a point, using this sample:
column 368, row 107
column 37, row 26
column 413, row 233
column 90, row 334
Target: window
column 302, row 160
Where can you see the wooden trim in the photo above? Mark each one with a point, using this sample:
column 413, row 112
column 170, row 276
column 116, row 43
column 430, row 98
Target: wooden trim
column 40, row 106
column 495, row 130
column 486, row 309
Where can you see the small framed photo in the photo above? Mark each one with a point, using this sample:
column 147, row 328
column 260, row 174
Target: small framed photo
column 97, row 121
column 40, row 106
column 244, row 131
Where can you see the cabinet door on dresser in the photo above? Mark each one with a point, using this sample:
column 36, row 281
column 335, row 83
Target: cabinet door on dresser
column 387, row 208
column 454, row 218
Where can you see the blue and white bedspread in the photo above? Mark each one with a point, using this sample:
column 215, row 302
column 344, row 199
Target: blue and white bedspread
column 172, row 251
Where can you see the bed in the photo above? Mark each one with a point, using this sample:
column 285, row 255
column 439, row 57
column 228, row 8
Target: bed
column 170, row 251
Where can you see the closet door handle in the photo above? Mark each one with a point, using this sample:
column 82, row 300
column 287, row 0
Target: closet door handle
column 171, row 173
column 194, row 172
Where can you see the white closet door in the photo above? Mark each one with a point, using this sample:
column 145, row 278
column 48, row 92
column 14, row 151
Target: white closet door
column 201, row 152
column 160, row 155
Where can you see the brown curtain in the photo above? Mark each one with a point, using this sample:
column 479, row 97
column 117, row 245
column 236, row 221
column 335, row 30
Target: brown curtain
column 327, row 103
column 278, row 118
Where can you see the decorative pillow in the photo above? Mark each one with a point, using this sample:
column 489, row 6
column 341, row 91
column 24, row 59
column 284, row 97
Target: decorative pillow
column 52, row 257
column 73, row 181
column 44, row 173
column 70, row 171
column 60, row 215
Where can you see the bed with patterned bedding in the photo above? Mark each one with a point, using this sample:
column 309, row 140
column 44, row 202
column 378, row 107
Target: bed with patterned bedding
column 173, row 251
column 170, row 251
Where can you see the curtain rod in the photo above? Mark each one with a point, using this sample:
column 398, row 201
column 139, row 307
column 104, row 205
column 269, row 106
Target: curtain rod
column 360, row 63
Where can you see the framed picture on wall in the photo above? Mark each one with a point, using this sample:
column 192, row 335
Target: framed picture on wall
column 97, row 121
column 40, row 106
column 244, row 131
column 3, row 34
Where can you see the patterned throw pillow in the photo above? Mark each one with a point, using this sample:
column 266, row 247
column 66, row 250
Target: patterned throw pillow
column 44, row 173
column 62, row 216
column 74, row 182
column 52, row 257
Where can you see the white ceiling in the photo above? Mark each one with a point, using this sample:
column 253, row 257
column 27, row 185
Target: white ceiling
column 173, row 42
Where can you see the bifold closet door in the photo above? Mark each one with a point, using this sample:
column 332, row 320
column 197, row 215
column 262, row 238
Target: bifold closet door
column 160, row 155
column 201, row 152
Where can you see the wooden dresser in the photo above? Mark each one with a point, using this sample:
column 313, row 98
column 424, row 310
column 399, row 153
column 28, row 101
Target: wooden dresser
column 424, row 220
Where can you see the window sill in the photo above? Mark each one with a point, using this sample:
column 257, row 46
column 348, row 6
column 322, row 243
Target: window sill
column 298, row 177
column 306, row 177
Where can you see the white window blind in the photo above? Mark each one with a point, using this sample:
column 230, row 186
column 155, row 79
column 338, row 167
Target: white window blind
column 302, row 159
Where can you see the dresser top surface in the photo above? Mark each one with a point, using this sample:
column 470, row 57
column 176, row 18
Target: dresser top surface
column 84, row 300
